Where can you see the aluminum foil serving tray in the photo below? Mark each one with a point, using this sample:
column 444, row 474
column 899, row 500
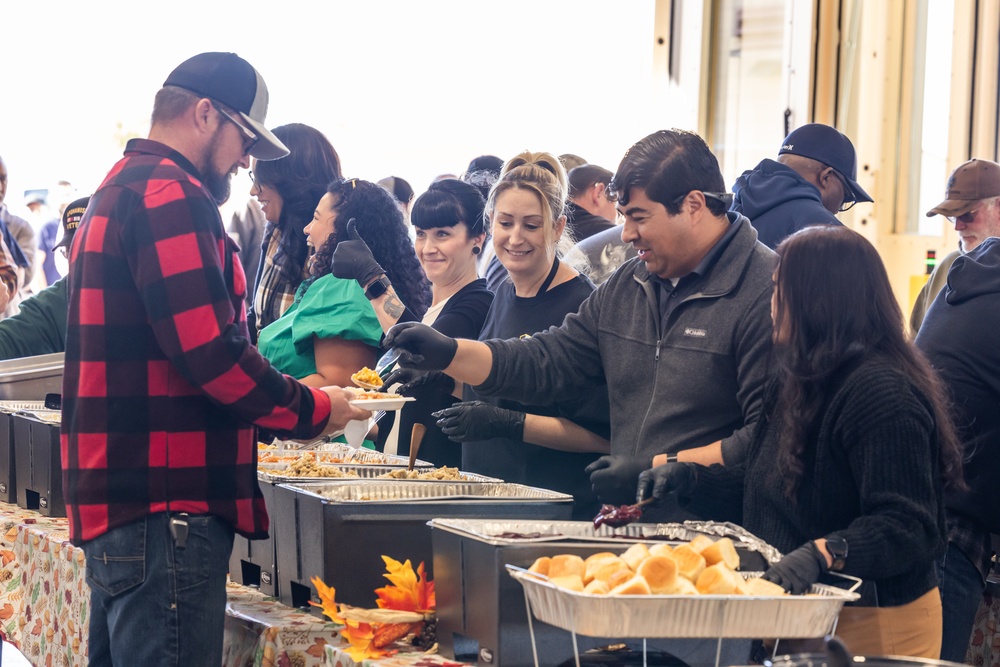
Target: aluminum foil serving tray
column 350, row 455
column 687, row 616
column 10, row 407
column 272, row 472
column 393, row 491
column 491, row 530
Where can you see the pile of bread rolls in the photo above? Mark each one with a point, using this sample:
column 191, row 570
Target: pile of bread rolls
column 702, row 566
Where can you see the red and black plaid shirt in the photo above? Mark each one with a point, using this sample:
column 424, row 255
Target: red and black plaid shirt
column 161, row 383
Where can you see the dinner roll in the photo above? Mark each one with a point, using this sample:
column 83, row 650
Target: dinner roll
column 573, row 582
column 635, row 554
column 564, row 565
column 689, row 562
column 601, row 555
column 597, row 587
column 634, row 586
column 700, row 542
column 541, row 566
column 722, row 551
column 620, row 577
column 716, row 580
column 604, row 569
column 758, row 586
column 682, row 587
column 660, row 572
column 661, row 549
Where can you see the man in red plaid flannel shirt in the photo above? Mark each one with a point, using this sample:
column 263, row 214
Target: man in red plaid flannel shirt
column 161, row 384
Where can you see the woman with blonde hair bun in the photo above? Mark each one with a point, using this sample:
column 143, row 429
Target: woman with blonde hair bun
column 540, row 445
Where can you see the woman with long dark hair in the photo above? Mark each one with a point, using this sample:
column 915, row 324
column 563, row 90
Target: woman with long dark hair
column 287, row 190
column 330, row 331
column 846, row 470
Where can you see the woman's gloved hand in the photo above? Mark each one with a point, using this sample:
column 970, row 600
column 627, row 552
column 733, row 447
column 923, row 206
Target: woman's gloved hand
column 799, row 570
column 421, row 347
column 411, row 381
column 476, row 420
column 352, row 258
column 615, row 478
column 663, row 480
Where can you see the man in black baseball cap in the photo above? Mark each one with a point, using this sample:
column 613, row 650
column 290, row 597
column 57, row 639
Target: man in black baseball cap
column 161, row 386
column 813, row 179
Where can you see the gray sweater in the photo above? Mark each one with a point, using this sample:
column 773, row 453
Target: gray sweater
column 700, row 381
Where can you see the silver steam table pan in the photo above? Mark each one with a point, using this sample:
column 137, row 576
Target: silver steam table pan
column 348, row 454
column 273, row 472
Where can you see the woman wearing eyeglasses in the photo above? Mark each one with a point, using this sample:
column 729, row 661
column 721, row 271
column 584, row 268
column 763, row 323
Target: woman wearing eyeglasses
column 330, row 331
column 287, row 191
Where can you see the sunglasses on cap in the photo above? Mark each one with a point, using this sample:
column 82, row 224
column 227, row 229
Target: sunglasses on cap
column 250, row 139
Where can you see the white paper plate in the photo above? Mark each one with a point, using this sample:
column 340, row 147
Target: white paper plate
column 394, row 403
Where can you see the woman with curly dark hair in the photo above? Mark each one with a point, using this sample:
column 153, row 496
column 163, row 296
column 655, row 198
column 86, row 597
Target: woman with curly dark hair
column 847, row 468
column 287, row 191
column 331, row 331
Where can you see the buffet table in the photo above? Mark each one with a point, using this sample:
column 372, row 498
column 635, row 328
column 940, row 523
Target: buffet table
column 45, row 604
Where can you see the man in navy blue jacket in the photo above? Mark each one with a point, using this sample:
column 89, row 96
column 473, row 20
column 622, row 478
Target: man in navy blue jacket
column 958, row 336
column 813, row 178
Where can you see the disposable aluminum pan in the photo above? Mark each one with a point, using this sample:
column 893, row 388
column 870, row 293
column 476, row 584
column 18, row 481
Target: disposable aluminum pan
column 350, row 455
column 10, row 407
column 685, row 616
column 272, row 472
column 490, row 531
column 392, row 491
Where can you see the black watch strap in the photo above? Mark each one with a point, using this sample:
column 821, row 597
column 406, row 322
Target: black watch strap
column 378, row 288
column 837, row 548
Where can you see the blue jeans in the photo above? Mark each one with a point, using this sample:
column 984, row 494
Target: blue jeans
column 153, row 603
column 962, row 589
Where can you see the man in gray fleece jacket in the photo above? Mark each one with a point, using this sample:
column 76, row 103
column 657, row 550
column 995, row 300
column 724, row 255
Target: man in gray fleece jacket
column 682, row 333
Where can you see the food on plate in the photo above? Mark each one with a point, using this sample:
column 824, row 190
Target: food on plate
column 367, row 376
column 361, row 394
column 690, row 563
column 655, row 570
column 567, row 564
column 444, row 473
column 263, row 445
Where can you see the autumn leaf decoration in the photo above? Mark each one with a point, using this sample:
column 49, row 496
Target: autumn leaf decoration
column 401, row 607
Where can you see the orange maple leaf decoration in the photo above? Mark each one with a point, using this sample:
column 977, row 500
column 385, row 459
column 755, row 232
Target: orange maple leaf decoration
column 408, row 591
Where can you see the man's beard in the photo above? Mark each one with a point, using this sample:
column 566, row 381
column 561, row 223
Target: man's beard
column 219, row 184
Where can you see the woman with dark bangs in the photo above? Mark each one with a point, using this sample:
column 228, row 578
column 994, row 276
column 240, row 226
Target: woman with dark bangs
column 450, row 235
column 330, row 331
column 846, row 470
column 287, row 191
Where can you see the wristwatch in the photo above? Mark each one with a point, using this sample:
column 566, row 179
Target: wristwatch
column 378, row 288
column 837, row 548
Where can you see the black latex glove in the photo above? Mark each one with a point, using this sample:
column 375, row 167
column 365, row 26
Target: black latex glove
column 420, row 346
column 353, row 259
column 799, row 570
column 663, row 480
column 411, row 381
column 476, row 420
column 615, row 478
